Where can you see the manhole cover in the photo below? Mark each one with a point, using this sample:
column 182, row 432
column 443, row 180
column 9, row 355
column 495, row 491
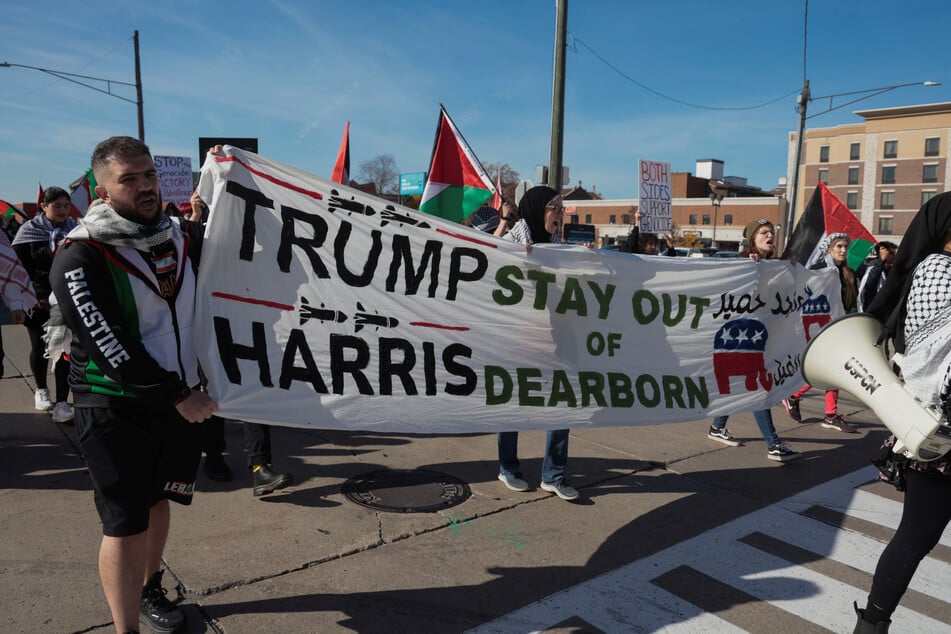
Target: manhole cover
column 406, row 490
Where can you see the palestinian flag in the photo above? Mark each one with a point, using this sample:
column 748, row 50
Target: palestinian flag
column 82, row 192
column 9, row 210
column 341, row 173
column 824, row 215
column 457, row 184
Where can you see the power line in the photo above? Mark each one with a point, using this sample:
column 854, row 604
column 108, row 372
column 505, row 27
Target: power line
column 617, row 70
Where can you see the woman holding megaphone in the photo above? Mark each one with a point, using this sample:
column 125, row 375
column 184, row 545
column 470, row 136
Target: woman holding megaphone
column 915, row 304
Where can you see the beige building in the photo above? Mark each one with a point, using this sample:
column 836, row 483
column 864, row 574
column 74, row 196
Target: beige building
column 884, row 169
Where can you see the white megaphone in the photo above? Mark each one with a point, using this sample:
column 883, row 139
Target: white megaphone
column 844, row 356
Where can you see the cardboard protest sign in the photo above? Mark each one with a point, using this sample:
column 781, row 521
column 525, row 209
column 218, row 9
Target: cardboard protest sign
column 175, row 177
column 322, row 306
column 654, row 197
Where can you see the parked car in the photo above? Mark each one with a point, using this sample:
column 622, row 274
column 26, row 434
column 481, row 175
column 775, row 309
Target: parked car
column 726, row 254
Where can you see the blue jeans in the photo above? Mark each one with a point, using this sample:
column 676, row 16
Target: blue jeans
column 764, row 419
column 556, row 454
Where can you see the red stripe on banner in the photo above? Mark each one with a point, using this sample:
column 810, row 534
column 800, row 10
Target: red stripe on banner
column 466, row 238
column 251, row 300
column 424, row 324
column 276, row 181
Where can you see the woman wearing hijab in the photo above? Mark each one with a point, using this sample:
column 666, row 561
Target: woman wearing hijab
column 35, row 243
column 761, row 236
column 836, row 247
column 540, row 213
column 915, row 305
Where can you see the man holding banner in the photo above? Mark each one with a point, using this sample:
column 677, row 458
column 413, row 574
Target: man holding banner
column 125, row 282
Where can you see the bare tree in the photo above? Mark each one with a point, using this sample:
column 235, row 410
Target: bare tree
column 509, row 178
column 381, row 171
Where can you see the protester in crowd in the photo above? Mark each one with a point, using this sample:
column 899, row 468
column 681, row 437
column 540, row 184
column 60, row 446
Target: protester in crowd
column 875, row 276
column 761, row 238
column 836, row 247
column 540, row 211
column 491, row 220
column 919, row 317
column 16, row 290
column 125, row 284
column 257, row 445
column 646, row 243
column 35, row 243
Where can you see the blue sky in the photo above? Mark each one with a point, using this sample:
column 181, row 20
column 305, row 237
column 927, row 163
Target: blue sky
column 293, row 72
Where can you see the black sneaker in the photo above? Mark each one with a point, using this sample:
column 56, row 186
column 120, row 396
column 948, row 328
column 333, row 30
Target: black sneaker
column 792, row 408
column 216, row 468
column 723, row 435
column 835, row 422
column 156, row 611
column 266, row 481
column 781, row 453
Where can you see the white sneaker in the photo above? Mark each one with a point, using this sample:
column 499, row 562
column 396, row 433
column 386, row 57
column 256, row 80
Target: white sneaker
column 561, row 489
column 514, row 481
column 62, row 412
column 41, row 400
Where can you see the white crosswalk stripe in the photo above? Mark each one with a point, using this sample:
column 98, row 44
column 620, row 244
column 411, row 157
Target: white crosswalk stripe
column 628, row 599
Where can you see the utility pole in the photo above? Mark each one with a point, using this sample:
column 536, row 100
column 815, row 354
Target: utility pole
column 802, row 102
column 138, row 87
column 558, row 96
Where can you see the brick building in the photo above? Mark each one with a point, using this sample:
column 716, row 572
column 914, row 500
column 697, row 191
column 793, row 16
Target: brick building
column 695, row 216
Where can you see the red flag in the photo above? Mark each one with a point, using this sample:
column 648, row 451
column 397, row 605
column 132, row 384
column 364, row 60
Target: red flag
column 496, row 200
column 342, row 166
column 39, row 198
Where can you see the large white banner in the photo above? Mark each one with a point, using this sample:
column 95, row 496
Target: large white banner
column 322, row 306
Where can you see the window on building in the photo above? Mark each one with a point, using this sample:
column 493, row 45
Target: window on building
column 888, row 174
column 932, row 146
column 587, row 219
column 626, row 219
column 728, row 219
column 887, row 200
column 854, row 151
column 928, row 194
column 929, row 173
column 852, row 200
column 692, row 220
column 612, row 219
column 885, row 225
column 706, row 219
column 824, row 154
column 891, row 149
column 853, row 176
column 824, row 176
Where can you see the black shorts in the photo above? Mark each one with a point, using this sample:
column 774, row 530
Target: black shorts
column 136, row 457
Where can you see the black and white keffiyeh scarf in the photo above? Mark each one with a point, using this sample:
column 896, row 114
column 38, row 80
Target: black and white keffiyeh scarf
column 926, row 366
column 40, row 229
column 103, row 224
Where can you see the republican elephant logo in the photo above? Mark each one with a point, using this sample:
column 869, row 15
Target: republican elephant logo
column 816, row 313
column 739, row 349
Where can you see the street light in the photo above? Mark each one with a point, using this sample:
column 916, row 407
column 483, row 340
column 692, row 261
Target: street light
column 108, row 82
column 803, row 101
column 715, row 199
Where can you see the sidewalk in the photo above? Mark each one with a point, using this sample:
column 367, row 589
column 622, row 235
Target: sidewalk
column 307, row 559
